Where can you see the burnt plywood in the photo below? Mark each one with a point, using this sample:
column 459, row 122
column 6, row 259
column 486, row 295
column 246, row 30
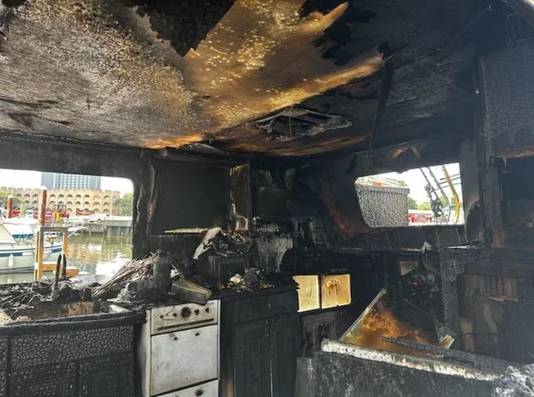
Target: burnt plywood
column 105, row 72
column 166, row 74
column 507, row 86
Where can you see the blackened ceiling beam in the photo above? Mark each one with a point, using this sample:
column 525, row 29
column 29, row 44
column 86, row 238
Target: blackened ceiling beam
column 44, row 153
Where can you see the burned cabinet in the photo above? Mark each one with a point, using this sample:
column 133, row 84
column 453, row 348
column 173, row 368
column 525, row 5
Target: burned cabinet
column 107, row 377
column 252, row 359
column 260, row 338
column 285, row 343
column 88, row 356
column 488, row 296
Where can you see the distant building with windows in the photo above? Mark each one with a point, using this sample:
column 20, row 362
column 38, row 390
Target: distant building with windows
column 69, row 200
column 52, row 180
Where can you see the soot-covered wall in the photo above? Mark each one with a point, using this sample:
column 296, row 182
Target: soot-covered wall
column 190, row 196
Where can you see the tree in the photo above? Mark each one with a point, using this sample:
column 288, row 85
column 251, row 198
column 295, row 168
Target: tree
column 427, row 206
column 424, row 206
column 3, row 199
column 123, row 205
column 412, row 204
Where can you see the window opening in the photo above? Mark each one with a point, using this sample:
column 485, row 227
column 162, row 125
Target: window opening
column 98, row 217
column 420, row 196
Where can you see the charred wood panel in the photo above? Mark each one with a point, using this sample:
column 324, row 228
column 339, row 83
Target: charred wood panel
column 507, row 85
column 285, row 347
column 69, row 357
column 260, row 337
column 190, row 196
column 19, row 151
column 323, row 325
column 44, row 381
column 488, row 295
column 108, row 377
column 251, row 345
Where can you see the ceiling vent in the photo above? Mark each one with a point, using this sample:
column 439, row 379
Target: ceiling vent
column 293, row 123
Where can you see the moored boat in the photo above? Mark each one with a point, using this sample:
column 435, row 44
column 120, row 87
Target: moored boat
column 19, row 255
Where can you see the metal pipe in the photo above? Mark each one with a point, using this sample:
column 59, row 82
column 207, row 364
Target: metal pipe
column 429, row 184
column 442, row 193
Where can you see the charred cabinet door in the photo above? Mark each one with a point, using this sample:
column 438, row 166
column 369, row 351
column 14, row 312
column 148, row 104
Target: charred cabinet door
column 107, row 377
column 252, row 355
column 285, row 344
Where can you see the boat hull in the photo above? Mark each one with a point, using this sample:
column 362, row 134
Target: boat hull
column 23, row 259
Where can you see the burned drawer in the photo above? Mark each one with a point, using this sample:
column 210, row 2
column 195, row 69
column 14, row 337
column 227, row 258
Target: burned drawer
column 209, row 389
column 172, row 318
column 44, row 348
column 265, row 306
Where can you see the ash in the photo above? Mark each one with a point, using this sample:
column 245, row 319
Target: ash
column 516, row 382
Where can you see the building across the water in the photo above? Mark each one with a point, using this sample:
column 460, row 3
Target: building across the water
column 52, row 180
column 69, row 200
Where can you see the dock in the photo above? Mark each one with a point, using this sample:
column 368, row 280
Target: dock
column 105, row 224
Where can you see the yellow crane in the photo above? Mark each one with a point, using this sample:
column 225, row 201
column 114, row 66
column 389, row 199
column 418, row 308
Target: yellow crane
column 455, row 198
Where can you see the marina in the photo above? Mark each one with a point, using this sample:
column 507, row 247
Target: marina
column 91, row 254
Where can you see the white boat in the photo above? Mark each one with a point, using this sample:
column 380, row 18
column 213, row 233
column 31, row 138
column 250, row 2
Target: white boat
column 19, row 255
column 20, row 228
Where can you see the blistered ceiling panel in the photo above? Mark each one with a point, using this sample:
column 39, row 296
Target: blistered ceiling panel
column 166, row 74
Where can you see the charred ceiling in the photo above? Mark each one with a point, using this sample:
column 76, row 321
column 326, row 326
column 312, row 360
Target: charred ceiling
column 166, row 74
column 184, row 23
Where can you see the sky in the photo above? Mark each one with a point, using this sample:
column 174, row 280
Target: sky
column 416, row 181
column 32, row 179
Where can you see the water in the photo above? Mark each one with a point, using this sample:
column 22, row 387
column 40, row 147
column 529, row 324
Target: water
column 89, row 253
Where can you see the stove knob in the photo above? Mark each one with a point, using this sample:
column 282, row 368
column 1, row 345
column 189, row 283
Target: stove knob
column 186, row 312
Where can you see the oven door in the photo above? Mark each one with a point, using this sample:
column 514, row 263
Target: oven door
column 183, row 358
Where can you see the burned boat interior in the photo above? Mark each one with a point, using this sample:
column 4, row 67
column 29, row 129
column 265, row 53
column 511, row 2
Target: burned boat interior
column 250, row 121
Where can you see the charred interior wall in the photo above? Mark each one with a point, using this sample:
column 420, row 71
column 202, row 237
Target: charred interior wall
column 190, row 196
column 331, row 184
column 508, row 145
column 55, row 155
column 489, row 295
column 23, row 152
column 185, row 198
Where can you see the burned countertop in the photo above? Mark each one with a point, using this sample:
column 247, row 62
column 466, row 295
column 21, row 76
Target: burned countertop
column 227, row 295
column 29, row 308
